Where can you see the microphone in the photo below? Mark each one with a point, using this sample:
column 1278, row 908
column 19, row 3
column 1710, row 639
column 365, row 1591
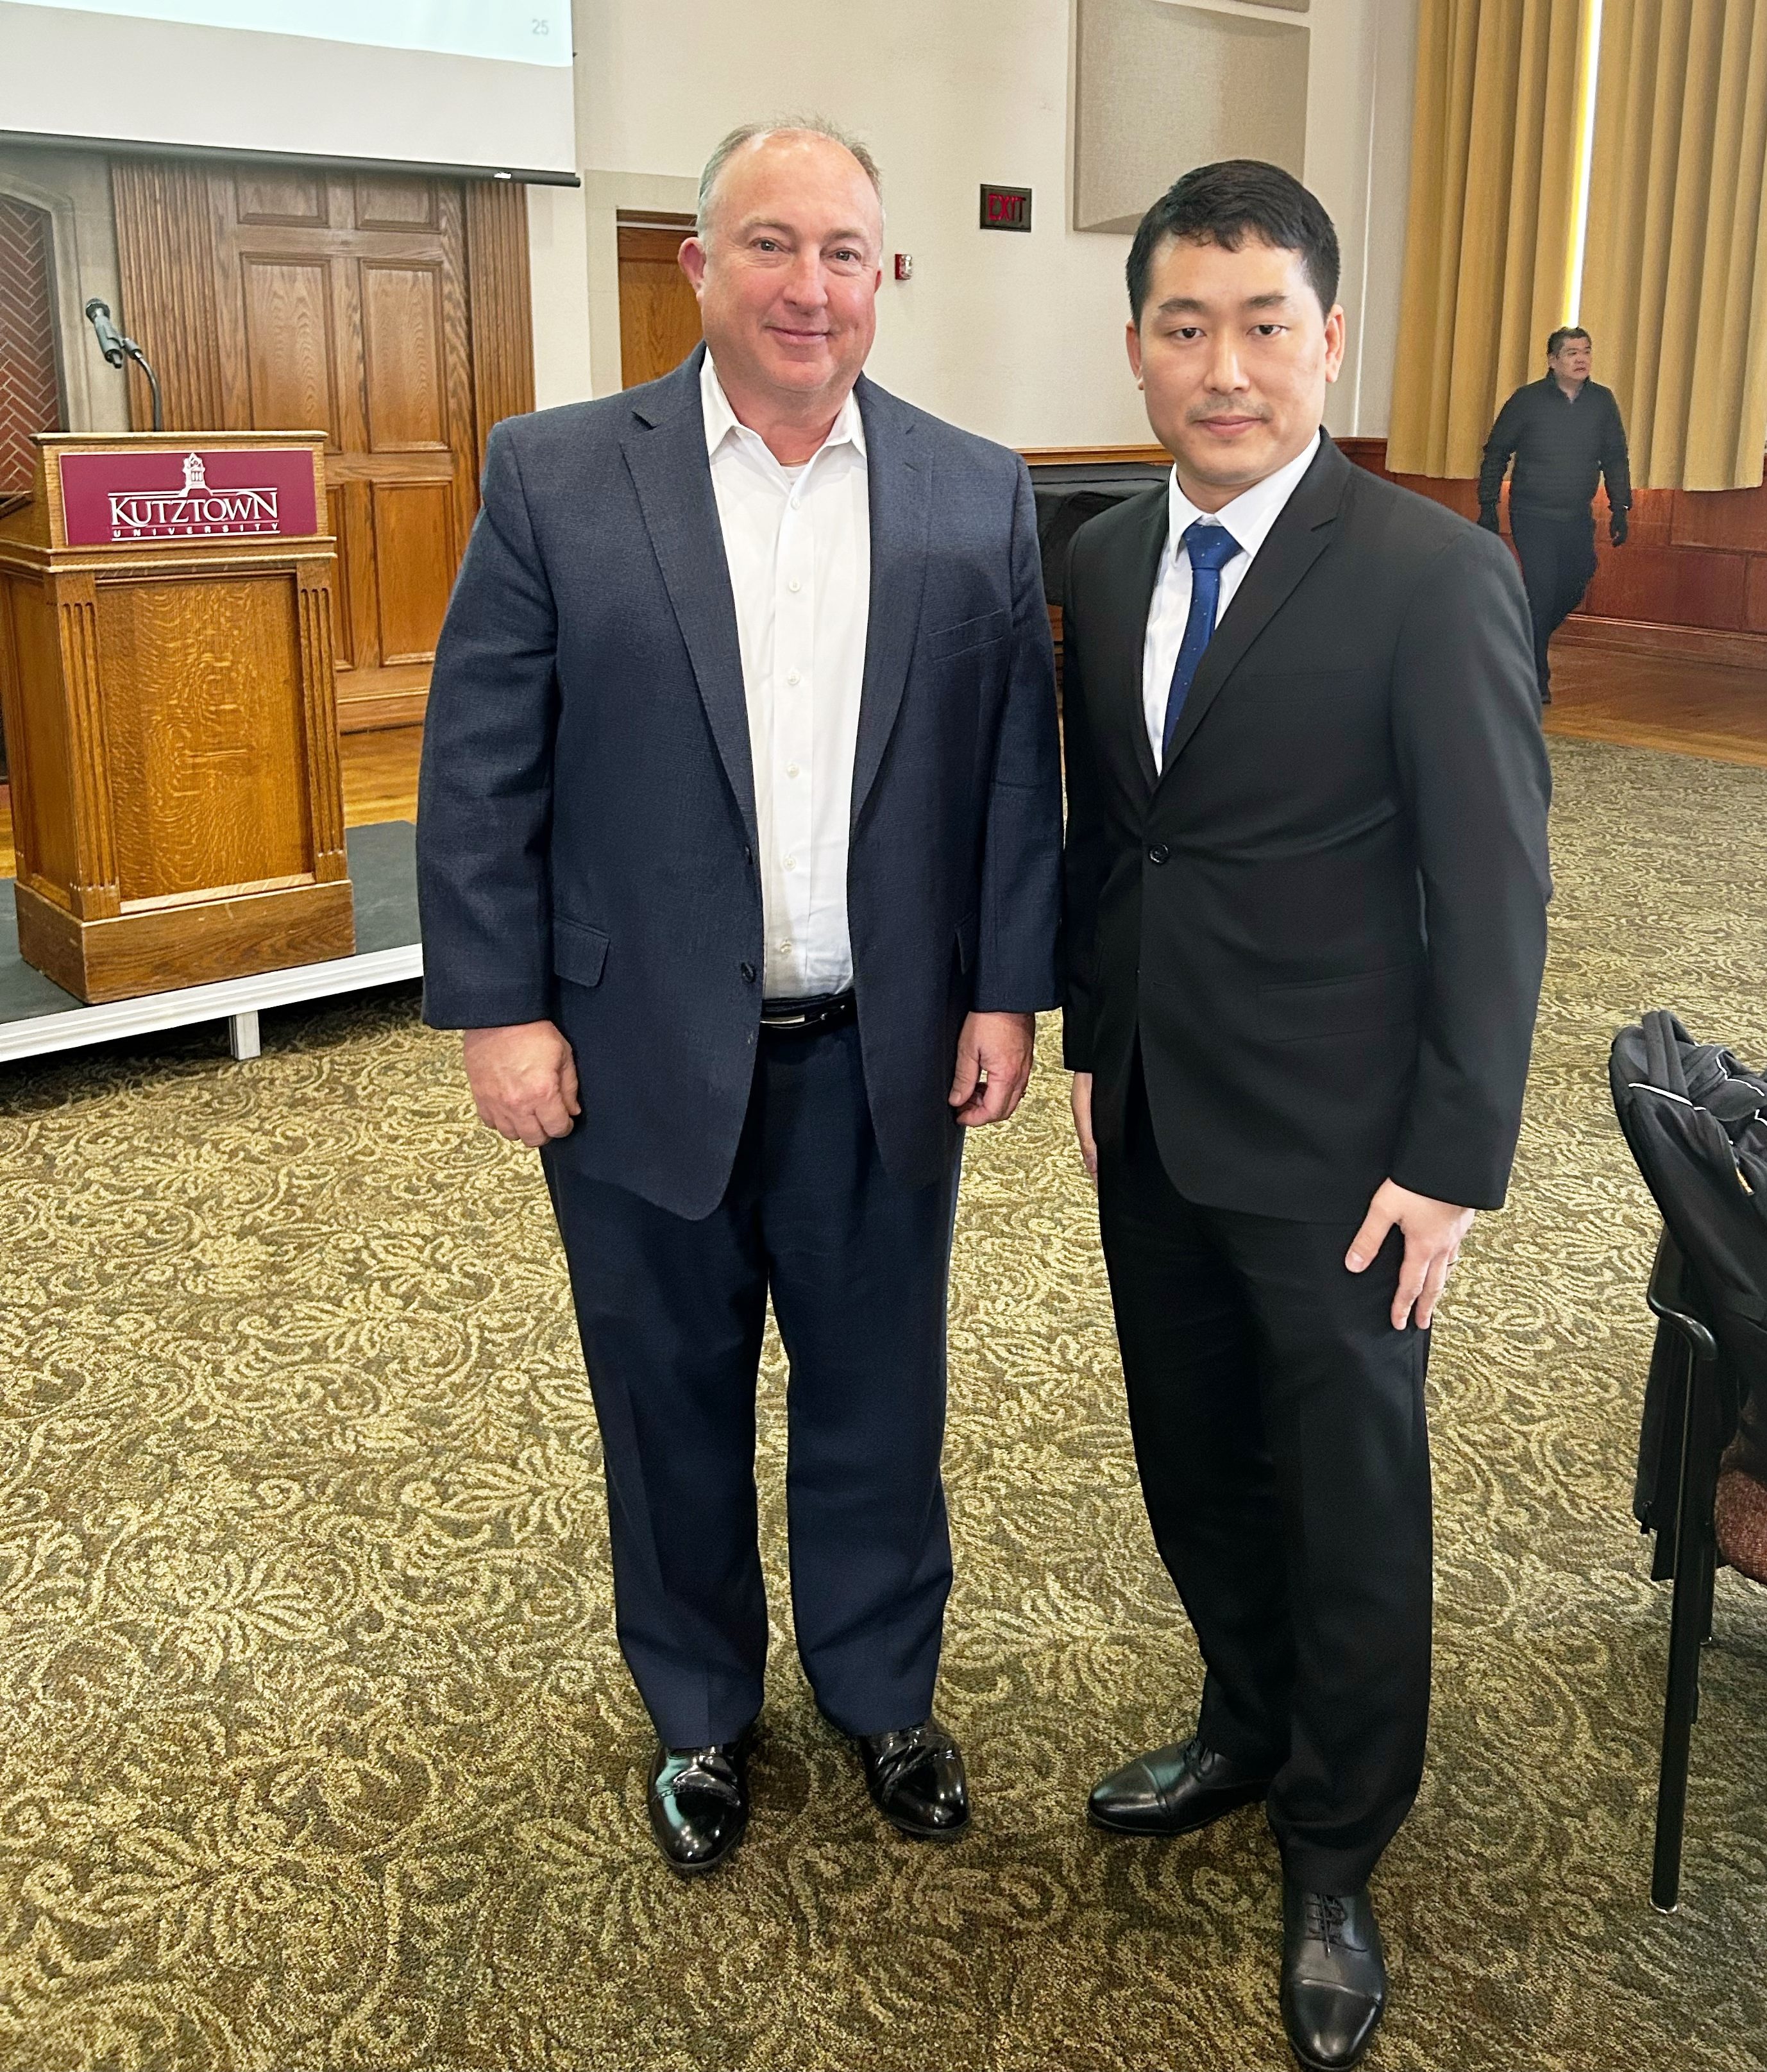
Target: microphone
column 116, row 347
column 110, row 340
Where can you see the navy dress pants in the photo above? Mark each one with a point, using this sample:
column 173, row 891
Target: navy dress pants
column 1280, row 1432
column 671, row 1313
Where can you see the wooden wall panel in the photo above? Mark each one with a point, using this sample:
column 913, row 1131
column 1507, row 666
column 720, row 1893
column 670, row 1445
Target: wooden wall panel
column 166, row 249
column 281, row 197
column 414, row 553
column 1690, row 579
column 391, row 312
column 500, row 302
column 1669, row 586
column 397, row 204
column 291, row 353
column 1720, row 518
column 401, row 345
column 215, row 738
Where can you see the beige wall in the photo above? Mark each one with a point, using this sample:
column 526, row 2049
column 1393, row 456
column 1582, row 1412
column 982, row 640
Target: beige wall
column 1019, row 337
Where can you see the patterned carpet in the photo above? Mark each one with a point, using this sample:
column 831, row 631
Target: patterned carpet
column 318, row 1753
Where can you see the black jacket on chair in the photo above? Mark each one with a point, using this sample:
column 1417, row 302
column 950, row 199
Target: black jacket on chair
column 1324, row 924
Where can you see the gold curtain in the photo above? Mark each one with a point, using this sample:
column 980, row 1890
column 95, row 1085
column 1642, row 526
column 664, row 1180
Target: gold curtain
column 1492, row 221
column 1675, row 290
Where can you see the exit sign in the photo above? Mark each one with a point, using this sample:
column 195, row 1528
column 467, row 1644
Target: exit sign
column 1006, row 208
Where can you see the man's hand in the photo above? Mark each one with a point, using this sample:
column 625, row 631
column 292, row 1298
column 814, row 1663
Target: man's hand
column 523, row 1081
column 994, row 1055
column 1487, row 517
column 1618, row 527
column 1433, row 1232
column 1082, row 1100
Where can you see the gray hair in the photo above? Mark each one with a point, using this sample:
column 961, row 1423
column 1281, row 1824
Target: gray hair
column 754, row 133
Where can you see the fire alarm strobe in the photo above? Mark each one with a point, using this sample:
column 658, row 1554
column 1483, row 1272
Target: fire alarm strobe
column 905, row 266
column 1006, row 208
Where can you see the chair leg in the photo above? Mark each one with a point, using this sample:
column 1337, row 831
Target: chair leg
column 1689, row 1623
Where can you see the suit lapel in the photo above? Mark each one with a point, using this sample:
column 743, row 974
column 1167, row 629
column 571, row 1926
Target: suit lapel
column 665, row 452
column 1300, row 536
column 899, row 498
column 1126, row 630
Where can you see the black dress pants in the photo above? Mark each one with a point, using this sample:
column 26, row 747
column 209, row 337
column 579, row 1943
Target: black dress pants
column 1558, row 564
column 1279, row 1433
column 672, row 1312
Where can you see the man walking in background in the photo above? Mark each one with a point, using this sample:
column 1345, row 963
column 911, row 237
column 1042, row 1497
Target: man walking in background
column 739, row 839
column 1306, row 924
column 1562, row 431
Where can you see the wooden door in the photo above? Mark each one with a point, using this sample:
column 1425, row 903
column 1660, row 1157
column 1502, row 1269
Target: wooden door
column 659, row 313
column 389, row 312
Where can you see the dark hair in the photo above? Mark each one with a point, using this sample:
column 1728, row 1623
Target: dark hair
column 1563, row 332
column 1228, row 202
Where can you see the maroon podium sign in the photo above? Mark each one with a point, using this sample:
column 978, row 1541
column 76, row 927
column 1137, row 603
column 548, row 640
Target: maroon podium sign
column 138, row 499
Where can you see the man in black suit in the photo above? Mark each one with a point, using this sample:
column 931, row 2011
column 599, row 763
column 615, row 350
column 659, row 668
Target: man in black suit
column 1306, row 920
column 739, row 854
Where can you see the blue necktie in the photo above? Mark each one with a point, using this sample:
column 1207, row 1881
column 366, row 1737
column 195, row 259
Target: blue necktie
column 1210, row 547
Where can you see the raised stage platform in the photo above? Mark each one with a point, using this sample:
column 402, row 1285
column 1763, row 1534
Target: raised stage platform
column 36, row 1016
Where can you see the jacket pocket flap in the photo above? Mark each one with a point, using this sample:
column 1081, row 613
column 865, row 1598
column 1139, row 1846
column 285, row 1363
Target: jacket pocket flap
column 969, row 633
column 1338, row 1006
column 578, row 951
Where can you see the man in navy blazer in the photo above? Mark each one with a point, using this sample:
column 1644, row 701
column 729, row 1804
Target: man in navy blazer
column 738, row 850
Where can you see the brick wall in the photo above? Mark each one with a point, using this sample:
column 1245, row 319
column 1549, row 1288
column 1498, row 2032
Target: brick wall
column 30, row 388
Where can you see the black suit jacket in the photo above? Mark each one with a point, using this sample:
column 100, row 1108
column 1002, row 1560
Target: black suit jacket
column 1324, row 923
column 586, row 823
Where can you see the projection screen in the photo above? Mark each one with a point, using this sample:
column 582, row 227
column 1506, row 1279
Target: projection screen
column 475, row 84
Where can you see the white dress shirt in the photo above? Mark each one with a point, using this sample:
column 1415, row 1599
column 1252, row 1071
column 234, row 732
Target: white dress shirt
column 798, row 543
column 1249, row 518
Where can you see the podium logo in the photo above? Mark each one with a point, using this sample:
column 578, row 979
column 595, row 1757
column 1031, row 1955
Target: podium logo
column 194, row 512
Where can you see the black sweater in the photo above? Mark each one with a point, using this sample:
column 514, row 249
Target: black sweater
column 1559, row 446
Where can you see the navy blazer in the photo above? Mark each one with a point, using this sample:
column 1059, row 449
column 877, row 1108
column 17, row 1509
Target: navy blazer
column 586, row 819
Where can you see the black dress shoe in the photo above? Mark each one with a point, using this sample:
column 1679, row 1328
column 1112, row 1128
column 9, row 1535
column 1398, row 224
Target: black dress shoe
column 915, row 1777
column 699, row 1803
column 1333, row 1976
column 1173, row 1791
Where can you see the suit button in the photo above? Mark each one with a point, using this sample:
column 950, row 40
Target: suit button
column 1158, row 853
column 748, row 974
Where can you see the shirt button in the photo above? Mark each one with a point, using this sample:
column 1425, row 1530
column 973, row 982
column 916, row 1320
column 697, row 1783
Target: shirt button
column 747, row 971
column 791, row 863
column 791, row 770
column 793, row 586
column 796, row 676
column 1158, row 853
column 785, row 949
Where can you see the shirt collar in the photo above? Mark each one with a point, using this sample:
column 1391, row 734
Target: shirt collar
column 721, row 421
column 1250, row 514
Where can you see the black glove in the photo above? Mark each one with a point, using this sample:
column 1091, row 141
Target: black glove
column 1487, row 516
column 1616, row 527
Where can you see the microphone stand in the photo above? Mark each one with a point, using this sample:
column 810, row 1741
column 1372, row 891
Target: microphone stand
column 142, row 361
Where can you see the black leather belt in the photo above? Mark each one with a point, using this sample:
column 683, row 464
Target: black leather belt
column 803, row 1017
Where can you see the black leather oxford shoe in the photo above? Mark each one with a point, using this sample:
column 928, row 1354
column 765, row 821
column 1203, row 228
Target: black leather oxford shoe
column 1173, row 1791
column 1333, row 1976
column 915, row 1777
column 699, row 1801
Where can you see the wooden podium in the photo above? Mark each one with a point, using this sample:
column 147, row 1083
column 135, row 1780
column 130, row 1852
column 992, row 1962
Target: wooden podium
column 166, row 678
